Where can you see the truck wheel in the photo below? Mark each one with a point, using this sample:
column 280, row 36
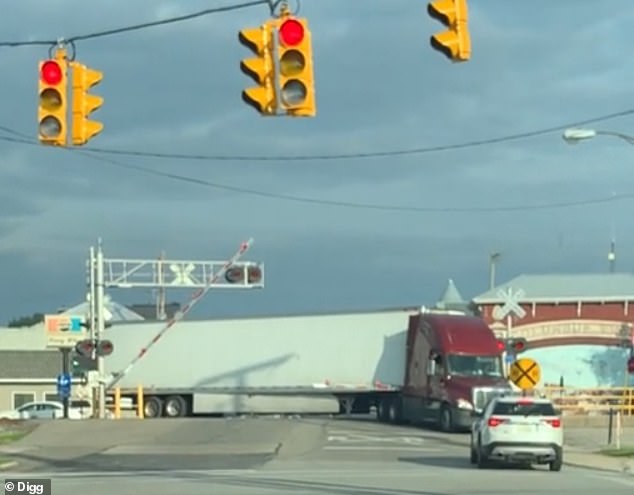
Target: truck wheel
column 175, row 407
column 394, row 411
column 152, row 407
column 445, row 419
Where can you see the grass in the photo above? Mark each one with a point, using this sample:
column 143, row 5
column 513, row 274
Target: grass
column 12, row 436
column 4, row 460
column 622, row 452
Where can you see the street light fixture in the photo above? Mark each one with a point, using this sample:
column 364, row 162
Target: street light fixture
column 576, row 135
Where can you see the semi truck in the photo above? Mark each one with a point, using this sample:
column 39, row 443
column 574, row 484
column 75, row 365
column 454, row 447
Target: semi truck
column 406, row 364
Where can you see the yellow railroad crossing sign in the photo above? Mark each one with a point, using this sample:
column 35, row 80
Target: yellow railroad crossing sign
column 525, row 373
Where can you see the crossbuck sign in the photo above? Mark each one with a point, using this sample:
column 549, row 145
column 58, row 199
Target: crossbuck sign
column 511, row 304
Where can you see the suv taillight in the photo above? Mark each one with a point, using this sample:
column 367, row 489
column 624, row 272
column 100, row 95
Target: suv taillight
column 493, row 422
column 555, row 423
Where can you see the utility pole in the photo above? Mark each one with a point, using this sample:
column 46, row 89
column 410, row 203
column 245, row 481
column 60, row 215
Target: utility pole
column 100, row 326
column 493, row 259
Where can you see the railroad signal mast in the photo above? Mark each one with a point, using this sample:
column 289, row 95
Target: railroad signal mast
column 106, row 273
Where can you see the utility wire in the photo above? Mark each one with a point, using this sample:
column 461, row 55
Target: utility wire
column 23, row 139
column 137, row 27
column 359, row 155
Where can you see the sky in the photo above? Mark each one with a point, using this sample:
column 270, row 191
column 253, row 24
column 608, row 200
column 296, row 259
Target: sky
column 380, row 87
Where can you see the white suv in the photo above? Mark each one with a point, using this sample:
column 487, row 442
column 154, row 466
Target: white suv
column 518, row 429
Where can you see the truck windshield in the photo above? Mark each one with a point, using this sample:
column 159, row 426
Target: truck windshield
column 462, row 365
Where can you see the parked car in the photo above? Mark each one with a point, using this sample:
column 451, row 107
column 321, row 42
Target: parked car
column 78, row 409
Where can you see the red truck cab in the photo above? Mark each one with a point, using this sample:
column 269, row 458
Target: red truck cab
column 453, row 367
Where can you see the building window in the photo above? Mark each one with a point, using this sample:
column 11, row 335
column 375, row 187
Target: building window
column 52, row 397
column 21, row 398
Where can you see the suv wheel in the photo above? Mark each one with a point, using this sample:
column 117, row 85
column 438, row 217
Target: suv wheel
column 480, row 459
column 556, row 464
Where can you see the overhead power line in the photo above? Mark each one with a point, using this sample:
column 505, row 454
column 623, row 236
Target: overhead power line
column 360, row 155
column 138, row 27
column 22, row 138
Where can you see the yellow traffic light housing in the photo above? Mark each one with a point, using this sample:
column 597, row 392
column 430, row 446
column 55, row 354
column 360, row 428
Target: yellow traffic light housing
column 260, row 68
column 454, row 43
column 53, row 106
column 84, row 78
column 295, row 67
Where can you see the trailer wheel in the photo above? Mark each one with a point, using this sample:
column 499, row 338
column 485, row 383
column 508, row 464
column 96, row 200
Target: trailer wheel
column 175, row 407
column 152, row 407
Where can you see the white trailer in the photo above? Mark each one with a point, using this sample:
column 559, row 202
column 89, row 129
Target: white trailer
column 285, row 364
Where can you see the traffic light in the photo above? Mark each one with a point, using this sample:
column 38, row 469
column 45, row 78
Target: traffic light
column 84, row 78
column 295, row 66
column 260, row 68
column 236, row 274
column 53, row 107
column 455, row 42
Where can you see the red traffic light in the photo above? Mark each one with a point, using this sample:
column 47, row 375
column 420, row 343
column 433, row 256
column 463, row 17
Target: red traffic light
column 291, row 32
column 630, row 366
column 500, row 345
column 51, row 72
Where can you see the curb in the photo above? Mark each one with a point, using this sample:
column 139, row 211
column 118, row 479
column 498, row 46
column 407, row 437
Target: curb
column 621, row 470
column 8, row 465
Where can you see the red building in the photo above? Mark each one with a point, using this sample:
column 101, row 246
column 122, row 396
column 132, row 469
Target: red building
column 593, row 309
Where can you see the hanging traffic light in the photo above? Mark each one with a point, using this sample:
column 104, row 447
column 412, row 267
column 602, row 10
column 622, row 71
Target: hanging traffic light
column 260, row 68
column 295, row 67
column 455, row 42
column 52, row 107
column 83, row 104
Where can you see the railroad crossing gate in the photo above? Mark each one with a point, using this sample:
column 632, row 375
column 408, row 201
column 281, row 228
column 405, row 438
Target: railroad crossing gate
column 525, row 373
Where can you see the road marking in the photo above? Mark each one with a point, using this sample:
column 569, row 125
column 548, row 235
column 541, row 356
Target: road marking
column 355, row 438
column 381, row 448
column 617, row 478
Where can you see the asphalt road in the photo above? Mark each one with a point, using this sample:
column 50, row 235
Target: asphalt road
column 298, row 456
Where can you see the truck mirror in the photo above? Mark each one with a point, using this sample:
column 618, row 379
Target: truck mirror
column 431, row 367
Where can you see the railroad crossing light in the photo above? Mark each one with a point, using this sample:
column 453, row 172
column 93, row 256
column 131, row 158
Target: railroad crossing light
column 501, row 345
column 516, row 346
column 85, row 348
column 295, row 64
column 84, row 104
column 52, row 105
column 260, row 68
column 455, row 42
column 104, row 348
column 236, row 274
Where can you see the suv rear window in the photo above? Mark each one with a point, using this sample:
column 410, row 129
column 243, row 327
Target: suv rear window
column 520, row 409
